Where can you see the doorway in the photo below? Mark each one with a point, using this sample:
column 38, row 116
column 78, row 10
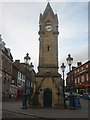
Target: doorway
column 47, row 98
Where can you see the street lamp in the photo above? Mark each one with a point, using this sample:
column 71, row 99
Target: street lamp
column 71, row 96
column 31, row 66
column 27, row 59
column 63, row 69
column 30, row 94
column 69, row 62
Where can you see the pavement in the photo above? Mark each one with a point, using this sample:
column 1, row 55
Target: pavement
column 15, row 107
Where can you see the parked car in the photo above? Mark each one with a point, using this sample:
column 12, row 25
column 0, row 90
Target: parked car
column 86, row 96
column 78, row 95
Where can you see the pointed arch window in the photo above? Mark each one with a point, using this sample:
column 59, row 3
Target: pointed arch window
column 48, row 47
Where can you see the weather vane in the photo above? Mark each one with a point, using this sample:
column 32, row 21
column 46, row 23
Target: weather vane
column 48, row 0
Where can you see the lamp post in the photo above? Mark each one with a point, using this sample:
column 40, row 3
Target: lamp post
column 69, row 62
column 30, row 68
column 27, row 59
column 71, row 96
column 63, row 69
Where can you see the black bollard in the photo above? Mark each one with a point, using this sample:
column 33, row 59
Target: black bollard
column 72, row 102
column 24, row 101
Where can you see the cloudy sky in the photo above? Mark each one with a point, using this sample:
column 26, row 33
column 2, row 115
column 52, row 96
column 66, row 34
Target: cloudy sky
column 19, row 25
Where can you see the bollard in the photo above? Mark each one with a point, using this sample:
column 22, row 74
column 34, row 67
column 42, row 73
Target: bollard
column 24, row 101
column 71, row 102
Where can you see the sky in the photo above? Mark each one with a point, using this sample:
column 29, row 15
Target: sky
column 19, row 26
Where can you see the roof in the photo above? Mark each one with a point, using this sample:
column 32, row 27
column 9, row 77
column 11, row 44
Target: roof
column 48, row 9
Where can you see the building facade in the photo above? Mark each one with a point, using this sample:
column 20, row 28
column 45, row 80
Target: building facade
column 80, row 78
column 6, row 68
column 13, row 75
column 13, row 86
column 48, row 92
column 20, row 75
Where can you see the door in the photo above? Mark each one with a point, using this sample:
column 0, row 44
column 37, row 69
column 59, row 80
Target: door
column 47, row 98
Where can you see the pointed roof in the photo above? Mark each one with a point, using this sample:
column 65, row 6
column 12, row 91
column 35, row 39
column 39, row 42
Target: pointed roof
column 48, row 9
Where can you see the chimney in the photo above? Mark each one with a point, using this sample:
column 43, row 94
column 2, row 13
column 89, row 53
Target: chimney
column 17, row 63
column 79, row 63
column 8, row 49
column 73, row 67
column 2, row 44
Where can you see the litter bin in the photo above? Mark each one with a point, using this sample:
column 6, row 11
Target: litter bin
column 72, row 101
column 77, row 102
column 24, row 101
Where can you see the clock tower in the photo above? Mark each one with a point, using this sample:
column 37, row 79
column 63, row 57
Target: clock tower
column 48, row 41
column 48, row 83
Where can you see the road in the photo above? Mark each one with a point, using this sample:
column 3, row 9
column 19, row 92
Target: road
column 13, row 110
column 11, row 114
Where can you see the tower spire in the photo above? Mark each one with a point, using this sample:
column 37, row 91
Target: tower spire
column 48, row 9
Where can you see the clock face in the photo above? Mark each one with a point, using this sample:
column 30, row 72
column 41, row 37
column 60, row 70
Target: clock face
column 48, row 28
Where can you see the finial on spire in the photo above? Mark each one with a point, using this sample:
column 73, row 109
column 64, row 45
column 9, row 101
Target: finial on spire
column 48, row 0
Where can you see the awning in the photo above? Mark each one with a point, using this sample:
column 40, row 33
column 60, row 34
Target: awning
column 85, row 85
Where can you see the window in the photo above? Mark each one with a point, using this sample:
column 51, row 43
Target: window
column 78, row 70
column 75, row 80
column 75, row 71
column 82, row 68
column 86, row 66
column 78, row 80
column 87, row 77
column 18, row 74
column 48, row 48
column 82, row 78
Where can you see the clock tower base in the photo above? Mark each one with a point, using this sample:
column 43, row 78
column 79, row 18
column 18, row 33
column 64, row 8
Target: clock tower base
column 48, row 92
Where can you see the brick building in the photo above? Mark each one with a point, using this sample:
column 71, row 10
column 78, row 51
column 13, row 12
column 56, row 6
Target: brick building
column 80, row 78
column 13, row 75
column 6, row 68
column 18, row 79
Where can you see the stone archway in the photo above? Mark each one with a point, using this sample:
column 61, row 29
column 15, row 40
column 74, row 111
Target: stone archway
column 47, row 98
